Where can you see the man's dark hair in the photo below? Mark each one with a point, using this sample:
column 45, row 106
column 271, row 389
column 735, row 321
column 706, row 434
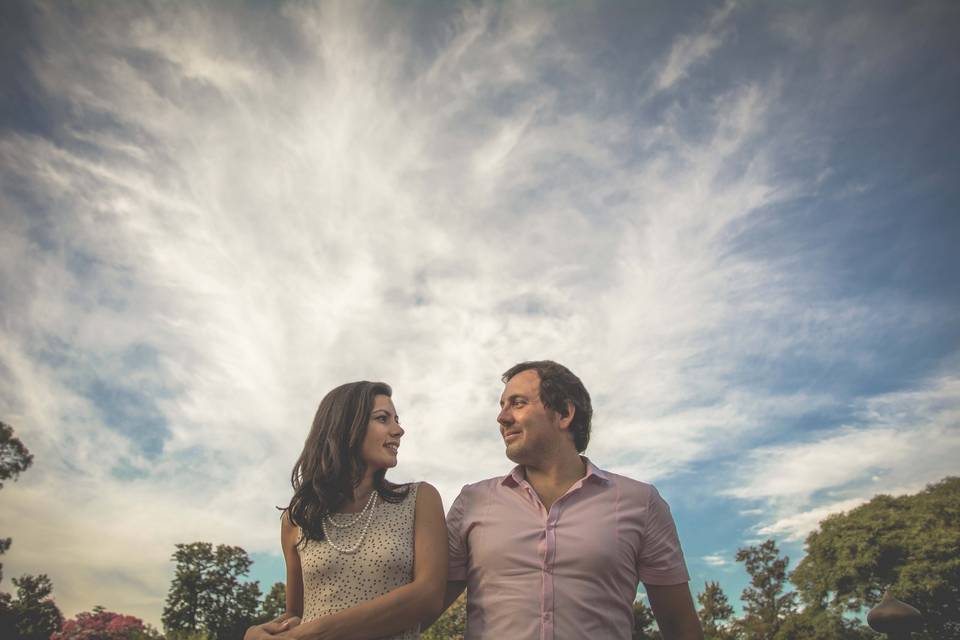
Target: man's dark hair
column 557, row 386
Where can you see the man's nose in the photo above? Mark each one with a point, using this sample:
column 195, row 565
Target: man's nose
column 505, row 418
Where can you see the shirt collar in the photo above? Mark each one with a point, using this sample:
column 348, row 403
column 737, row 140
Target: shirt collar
column 594, row 473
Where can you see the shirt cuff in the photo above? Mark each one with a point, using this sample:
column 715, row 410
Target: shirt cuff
column 678, row 575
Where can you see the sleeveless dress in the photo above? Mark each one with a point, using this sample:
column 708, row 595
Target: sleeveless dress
column 333, row 581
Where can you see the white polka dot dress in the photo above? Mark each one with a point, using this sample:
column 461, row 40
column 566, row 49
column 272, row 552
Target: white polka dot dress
column 333, row 580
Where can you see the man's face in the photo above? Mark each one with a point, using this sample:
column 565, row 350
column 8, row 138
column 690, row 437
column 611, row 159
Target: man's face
column 530, row 431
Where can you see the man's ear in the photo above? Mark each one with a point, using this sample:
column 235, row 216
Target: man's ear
column 566, row 420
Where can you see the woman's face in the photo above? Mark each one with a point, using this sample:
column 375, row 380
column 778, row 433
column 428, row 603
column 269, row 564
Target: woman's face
column 383, row 435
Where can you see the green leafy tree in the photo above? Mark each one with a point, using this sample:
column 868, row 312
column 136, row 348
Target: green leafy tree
column 15, row 458
column 32, row 615
column 715, row 612
column 821, row 624
column 451, row 625
column 274, row 603
column 644, row 624
column 4, row 547
column 206, row 594
column 188, row 635
column 765, row 603
column 909, row 544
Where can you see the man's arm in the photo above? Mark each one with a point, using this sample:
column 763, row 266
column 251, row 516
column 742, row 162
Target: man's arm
column 673, row 608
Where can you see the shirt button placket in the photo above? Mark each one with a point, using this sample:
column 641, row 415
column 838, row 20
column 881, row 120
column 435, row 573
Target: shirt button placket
column 547, row 604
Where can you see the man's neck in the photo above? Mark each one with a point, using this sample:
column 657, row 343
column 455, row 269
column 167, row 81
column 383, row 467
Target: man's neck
column 553, row 477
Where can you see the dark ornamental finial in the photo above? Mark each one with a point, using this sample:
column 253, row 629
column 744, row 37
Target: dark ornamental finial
column 894, row 618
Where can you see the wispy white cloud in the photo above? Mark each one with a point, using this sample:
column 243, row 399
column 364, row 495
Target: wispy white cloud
column 690, row 49
column 903, row 440
column 717, row 560
column 238, row 211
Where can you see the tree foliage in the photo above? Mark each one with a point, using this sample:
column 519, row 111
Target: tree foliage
column 15, row 458
column 101, row 624
column 643, row 622
column 451, row 625
column 765, row 602
column 33, row 614
column 4, row 547
column 274, row 603
column 206, row 594
column 909, row 544
column 715, row 612
column 821, row 624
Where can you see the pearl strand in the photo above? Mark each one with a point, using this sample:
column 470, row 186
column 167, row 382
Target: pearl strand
column 363, row 532
column 356, row 518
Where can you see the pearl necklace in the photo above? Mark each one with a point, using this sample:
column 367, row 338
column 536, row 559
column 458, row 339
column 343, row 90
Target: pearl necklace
column 357, row 516
column 371, row 503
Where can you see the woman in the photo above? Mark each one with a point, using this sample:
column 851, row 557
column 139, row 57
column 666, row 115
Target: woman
column 365, row 558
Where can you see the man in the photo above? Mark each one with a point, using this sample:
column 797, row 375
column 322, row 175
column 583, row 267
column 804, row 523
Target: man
column 555, row 549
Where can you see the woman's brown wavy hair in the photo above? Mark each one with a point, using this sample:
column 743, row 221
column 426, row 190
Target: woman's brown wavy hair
column 331, row 465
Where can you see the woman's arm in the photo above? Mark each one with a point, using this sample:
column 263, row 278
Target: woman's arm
column 289, row 537
column 404, row 607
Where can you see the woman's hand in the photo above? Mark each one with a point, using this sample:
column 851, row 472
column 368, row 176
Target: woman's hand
column 271, row 630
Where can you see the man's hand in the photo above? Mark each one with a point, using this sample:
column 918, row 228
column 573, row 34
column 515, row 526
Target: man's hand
column 270, row 630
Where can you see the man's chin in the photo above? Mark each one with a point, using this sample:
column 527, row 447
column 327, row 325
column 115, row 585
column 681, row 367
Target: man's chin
column 515, row 454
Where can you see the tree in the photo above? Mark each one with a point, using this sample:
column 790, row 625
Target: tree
column 206, row 593
column 4, row 547
column 15, row 458
column 909, row 544
column 714, row 612
column 33, row 615
column 274, row 603
column 101, row 624
column 765, row 604
column 451, row 625
column 821, row 624
column 643, row 622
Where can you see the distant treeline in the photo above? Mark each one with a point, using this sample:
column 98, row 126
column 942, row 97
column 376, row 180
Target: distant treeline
column 909, row 545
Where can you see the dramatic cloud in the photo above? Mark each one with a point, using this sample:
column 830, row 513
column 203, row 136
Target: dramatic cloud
column 903, row 441
column 213, row 214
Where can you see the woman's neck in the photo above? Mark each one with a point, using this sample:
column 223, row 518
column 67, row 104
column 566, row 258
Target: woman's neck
column 361, row 494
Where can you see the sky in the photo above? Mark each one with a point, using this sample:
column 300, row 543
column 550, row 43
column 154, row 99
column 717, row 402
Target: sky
column 736, row 222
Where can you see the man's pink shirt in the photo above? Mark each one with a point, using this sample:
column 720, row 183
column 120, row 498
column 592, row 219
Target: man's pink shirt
column 571, row 572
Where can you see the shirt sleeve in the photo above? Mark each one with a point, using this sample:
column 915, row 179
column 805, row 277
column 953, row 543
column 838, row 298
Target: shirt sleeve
column 661, row 559
column 457, row 545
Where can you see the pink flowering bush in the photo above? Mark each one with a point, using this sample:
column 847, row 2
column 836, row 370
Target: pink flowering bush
column 105, row 625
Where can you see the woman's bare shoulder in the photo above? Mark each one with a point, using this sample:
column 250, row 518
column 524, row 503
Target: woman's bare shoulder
column 289, row 532
column 427, row 494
